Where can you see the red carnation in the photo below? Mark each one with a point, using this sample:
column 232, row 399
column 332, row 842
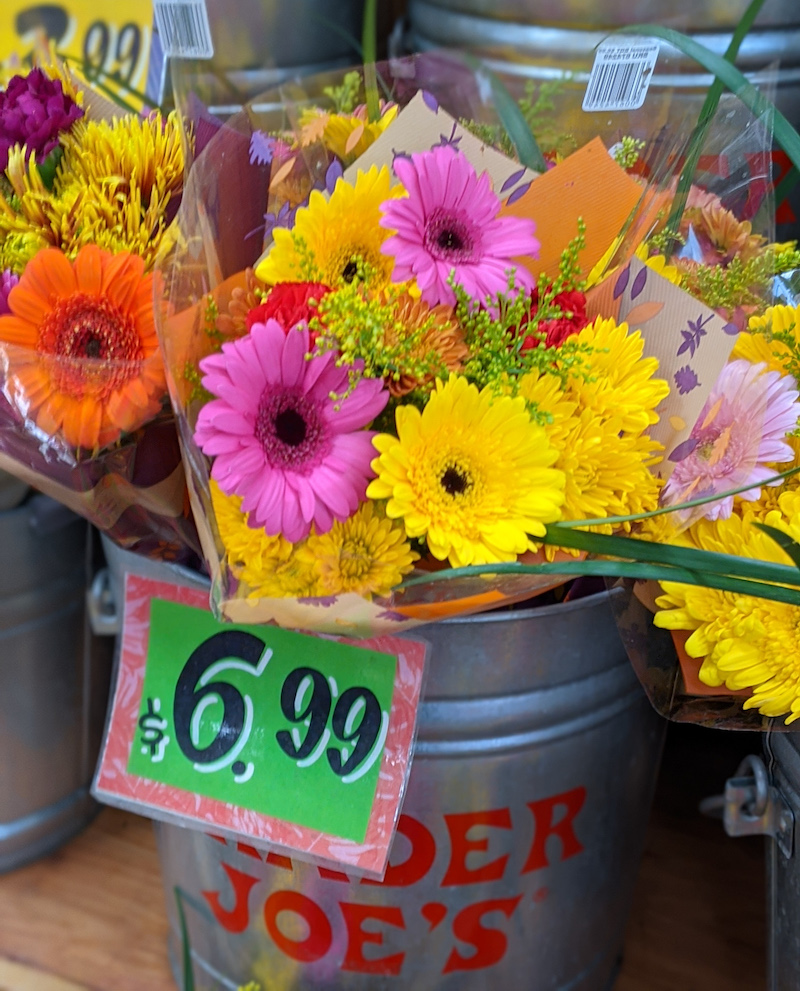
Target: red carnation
column 572, row 304
column 290, row 304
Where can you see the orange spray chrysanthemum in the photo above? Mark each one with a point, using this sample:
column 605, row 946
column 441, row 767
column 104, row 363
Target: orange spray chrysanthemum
column 84, row 361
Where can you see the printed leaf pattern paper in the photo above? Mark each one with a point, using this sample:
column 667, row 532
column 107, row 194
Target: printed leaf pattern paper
column 692, row 344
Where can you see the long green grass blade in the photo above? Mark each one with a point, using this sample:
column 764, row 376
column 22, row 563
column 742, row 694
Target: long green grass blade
column 369, row 49
column 618, row 569
column 707, row 112
column 734, row 80
column 786, row 185
column 678, row 507
column 673, row 556
column 511, row 117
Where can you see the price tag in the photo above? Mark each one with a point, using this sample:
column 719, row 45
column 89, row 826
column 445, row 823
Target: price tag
column 109, row 38
column 258, row 732
column 621, row 74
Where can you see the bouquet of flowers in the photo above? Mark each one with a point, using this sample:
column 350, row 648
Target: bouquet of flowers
column 405, row 351
column 86, row 195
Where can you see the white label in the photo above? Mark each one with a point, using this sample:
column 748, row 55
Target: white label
column 183, row 28
column 621, row 74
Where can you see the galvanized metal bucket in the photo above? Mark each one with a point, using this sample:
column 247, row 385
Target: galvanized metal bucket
column 54, row 681
column 516, row 851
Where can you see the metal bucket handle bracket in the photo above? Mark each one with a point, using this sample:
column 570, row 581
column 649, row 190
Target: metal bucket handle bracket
column 751, row 806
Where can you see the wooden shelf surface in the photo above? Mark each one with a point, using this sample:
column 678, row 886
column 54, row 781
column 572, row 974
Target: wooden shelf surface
column 91, row 916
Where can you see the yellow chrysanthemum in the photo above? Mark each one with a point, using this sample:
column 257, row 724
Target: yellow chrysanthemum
column 112, row 188
column 606, row 468
column 333, row 239
column 471, row 472
column 367, row 554
column 247, row 548
column 759, row 344
column 620, row 382
column 745, row 642
column 349, row 135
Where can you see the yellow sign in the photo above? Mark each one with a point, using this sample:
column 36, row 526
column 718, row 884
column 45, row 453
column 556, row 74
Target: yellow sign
column 107, row 39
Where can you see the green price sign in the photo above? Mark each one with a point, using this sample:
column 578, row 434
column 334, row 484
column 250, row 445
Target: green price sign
column 283, row 724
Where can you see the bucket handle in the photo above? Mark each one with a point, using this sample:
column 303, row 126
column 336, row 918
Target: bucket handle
column 101, row 607
column 751, row 806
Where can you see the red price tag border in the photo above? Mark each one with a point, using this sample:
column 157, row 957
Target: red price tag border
column 113, row 784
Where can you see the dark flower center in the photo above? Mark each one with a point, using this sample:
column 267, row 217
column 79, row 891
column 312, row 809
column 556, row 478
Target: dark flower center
column 291, row 430
column 81, row 327
column 350, row 271
column 290, row 427
column 453, row 237
column 455, row 482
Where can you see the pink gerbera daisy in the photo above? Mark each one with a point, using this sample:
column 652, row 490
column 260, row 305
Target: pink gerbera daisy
column 449, row 223
column 278, row 440
column 741, row 430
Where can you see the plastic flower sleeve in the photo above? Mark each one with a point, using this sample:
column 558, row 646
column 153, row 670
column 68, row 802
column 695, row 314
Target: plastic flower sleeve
column 84, row 414
column 303, row 313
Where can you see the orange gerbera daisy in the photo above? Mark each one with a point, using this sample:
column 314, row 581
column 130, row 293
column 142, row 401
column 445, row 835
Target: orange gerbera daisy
column 84, row 362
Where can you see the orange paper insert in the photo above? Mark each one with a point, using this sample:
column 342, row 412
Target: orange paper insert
column 587, row 184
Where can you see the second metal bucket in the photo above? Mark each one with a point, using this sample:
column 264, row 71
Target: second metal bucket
column 518, row 845
column 53, row 682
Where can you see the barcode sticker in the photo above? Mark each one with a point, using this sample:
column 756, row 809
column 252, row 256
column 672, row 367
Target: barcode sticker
column 183, row 28
column 621, row 74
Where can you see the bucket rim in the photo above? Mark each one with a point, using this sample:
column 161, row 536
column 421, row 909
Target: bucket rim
column 590, row 601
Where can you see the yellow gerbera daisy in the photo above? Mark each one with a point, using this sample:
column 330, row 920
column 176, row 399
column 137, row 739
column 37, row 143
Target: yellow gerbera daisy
column 745, row 642
column 471, row 472
column 366, row 554
column 758, row 343
column 333, row 240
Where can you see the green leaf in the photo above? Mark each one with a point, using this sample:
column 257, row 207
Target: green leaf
column 786, row 136
column 783, row 540
column 47, row 169
column 511, row 117
column 186, row 950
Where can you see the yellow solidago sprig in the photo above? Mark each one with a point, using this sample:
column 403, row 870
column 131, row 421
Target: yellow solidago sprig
column 472, row 473
column 744, row 641
column 336, row 240
column 392, row 335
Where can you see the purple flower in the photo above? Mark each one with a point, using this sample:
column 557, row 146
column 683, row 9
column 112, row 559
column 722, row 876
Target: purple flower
column 34, row 110
column 7, row 282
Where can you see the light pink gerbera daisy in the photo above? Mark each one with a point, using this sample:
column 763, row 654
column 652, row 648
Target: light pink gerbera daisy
column 449, row 223
column 294, row 455
column 741, row 430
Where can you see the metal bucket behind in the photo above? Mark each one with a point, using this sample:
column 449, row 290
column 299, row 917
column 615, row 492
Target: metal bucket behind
column 517, row 848
column 53, row 682
column 782, row 751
